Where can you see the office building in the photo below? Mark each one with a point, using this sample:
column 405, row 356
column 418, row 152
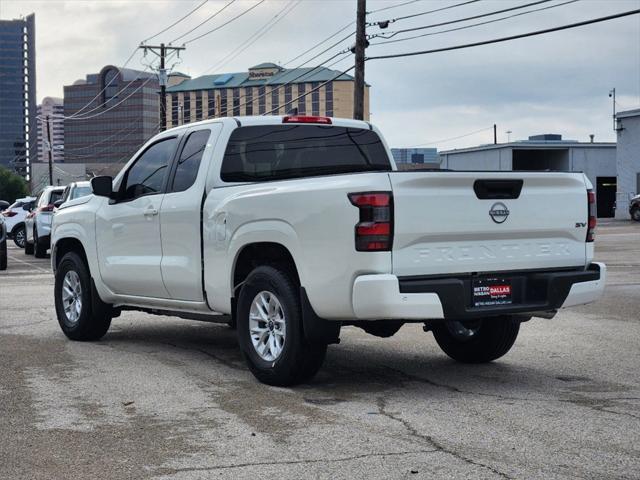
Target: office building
column 425, row 157
column 18, row 94
column 627, row 159
column 52, row 109
column 108, row 116
column 264, row 89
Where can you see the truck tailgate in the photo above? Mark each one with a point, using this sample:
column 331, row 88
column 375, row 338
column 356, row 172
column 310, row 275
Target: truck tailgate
column 443, row 225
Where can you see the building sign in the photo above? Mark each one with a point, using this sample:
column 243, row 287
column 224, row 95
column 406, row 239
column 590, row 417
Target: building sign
column 257, row 74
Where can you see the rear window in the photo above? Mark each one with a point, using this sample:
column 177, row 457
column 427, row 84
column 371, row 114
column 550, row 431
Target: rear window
column 276, row 152
column 81, row 192
column 55, row 196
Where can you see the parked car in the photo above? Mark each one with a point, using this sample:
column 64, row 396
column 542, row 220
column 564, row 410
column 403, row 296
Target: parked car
column 74, row 190
column 634, row 208
column 3, row 244
column 15, row 216
column 291, row 227
column 38, row 222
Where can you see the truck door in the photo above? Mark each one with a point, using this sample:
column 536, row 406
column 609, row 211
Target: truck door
column 128, row 230
column 180, row 215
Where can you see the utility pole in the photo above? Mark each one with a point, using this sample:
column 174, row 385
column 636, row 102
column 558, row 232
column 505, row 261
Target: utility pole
column 161, row 51
column 49, row 150
column 361, row 44
column 495, row 134
column 612, row 95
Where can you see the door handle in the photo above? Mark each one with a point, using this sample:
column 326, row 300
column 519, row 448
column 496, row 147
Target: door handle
column 150, row 212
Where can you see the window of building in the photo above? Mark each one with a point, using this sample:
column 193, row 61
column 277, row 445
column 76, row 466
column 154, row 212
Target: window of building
column 302, row 109
column 278, row 152
column 186, row 108
column 315, row 98
column 174, row 110
column 287, row 98
column 109, row 86
column 211, row 103
column 198, row 106
column 146, row 176
column 189, row 162
column 262, row 100
column 328, row 91
column 248, row 99
column 236, row 102
column 223, row 102
column 275, row 100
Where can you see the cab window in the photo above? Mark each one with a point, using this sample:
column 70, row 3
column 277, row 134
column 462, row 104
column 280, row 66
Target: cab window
column 189, row 161
column 147, row 175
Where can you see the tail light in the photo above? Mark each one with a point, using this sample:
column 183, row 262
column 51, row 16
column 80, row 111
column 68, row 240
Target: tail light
column 47, row 208
column 374, row 231
column 306, row 119
column 591, row 222
column 9, row 213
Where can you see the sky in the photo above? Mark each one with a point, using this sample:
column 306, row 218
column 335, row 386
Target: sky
column 554, row 83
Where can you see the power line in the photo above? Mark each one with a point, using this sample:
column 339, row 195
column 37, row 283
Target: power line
column 176, row 22
column 244, row 12
column 323, row 41
column 210, row 17
column 512, row 37
column 449, row 22
column 290, row 6
column 426, row 13
column 444, row 140
column 394, row 6
column 404, row 39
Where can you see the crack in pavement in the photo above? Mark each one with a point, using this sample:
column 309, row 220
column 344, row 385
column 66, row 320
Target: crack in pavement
column 382, row 408
column 167, row 471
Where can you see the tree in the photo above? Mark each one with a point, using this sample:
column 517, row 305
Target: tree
column 12, row 186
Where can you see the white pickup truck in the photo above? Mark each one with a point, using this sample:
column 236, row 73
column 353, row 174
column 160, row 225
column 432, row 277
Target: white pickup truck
column 291, row 227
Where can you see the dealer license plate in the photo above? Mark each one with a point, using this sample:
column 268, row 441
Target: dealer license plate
column 491, row 291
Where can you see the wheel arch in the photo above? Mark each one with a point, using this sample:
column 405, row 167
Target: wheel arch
column 66, row 245
column 18, row 225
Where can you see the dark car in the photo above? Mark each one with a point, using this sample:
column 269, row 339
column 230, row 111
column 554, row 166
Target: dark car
column 3, row 244
column 634, row 208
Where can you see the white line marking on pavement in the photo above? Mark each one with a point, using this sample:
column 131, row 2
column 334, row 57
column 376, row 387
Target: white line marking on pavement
column 31, row 265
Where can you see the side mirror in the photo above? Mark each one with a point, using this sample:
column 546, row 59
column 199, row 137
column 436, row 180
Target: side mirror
column 57, row 203
column 102, row 186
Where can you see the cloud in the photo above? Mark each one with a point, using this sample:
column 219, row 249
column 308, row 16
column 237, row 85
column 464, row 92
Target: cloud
column 555, row 83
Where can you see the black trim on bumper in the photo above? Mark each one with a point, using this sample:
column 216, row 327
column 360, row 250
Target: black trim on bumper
column 533, row 291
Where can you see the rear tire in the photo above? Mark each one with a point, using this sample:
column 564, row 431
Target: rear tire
column 3, row 254
column 480, row 341
column 635, row 214
column 297, row 360
column 40, row 249
column 81, row 313
column 19, row 235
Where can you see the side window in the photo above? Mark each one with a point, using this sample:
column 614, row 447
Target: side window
column 189, row 161
column 146, row 176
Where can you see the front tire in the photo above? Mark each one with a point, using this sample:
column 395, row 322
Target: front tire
column 478, row 341
column 269, row 326
column 40, row 249
column 28, row 247
column 81, row 313
column 19, row 236
column 635, row 214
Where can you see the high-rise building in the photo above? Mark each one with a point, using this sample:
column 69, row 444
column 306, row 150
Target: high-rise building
column 108, row 116
column 51, row 108
column 18, row 93
column 265, row 89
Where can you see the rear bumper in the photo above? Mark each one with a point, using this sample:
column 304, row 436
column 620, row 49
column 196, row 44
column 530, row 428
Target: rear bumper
column 377, row 297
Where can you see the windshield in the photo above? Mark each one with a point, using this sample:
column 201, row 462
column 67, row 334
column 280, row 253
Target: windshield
column 81, row 192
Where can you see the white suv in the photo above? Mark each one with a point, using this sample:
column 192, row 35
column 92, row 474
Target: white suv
column 14, row 219
column 38, row 222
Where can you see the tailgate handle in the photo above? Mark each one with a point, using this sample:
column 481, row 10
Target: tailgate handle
column 497, row 189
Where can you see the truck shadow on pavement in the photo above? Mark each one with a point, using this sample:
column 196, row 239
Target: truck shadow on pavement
column 352, row 369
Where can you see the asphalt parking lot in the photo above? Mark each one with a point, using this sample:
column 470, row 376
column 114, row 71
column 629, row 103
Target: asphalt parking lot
column 161, row 397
